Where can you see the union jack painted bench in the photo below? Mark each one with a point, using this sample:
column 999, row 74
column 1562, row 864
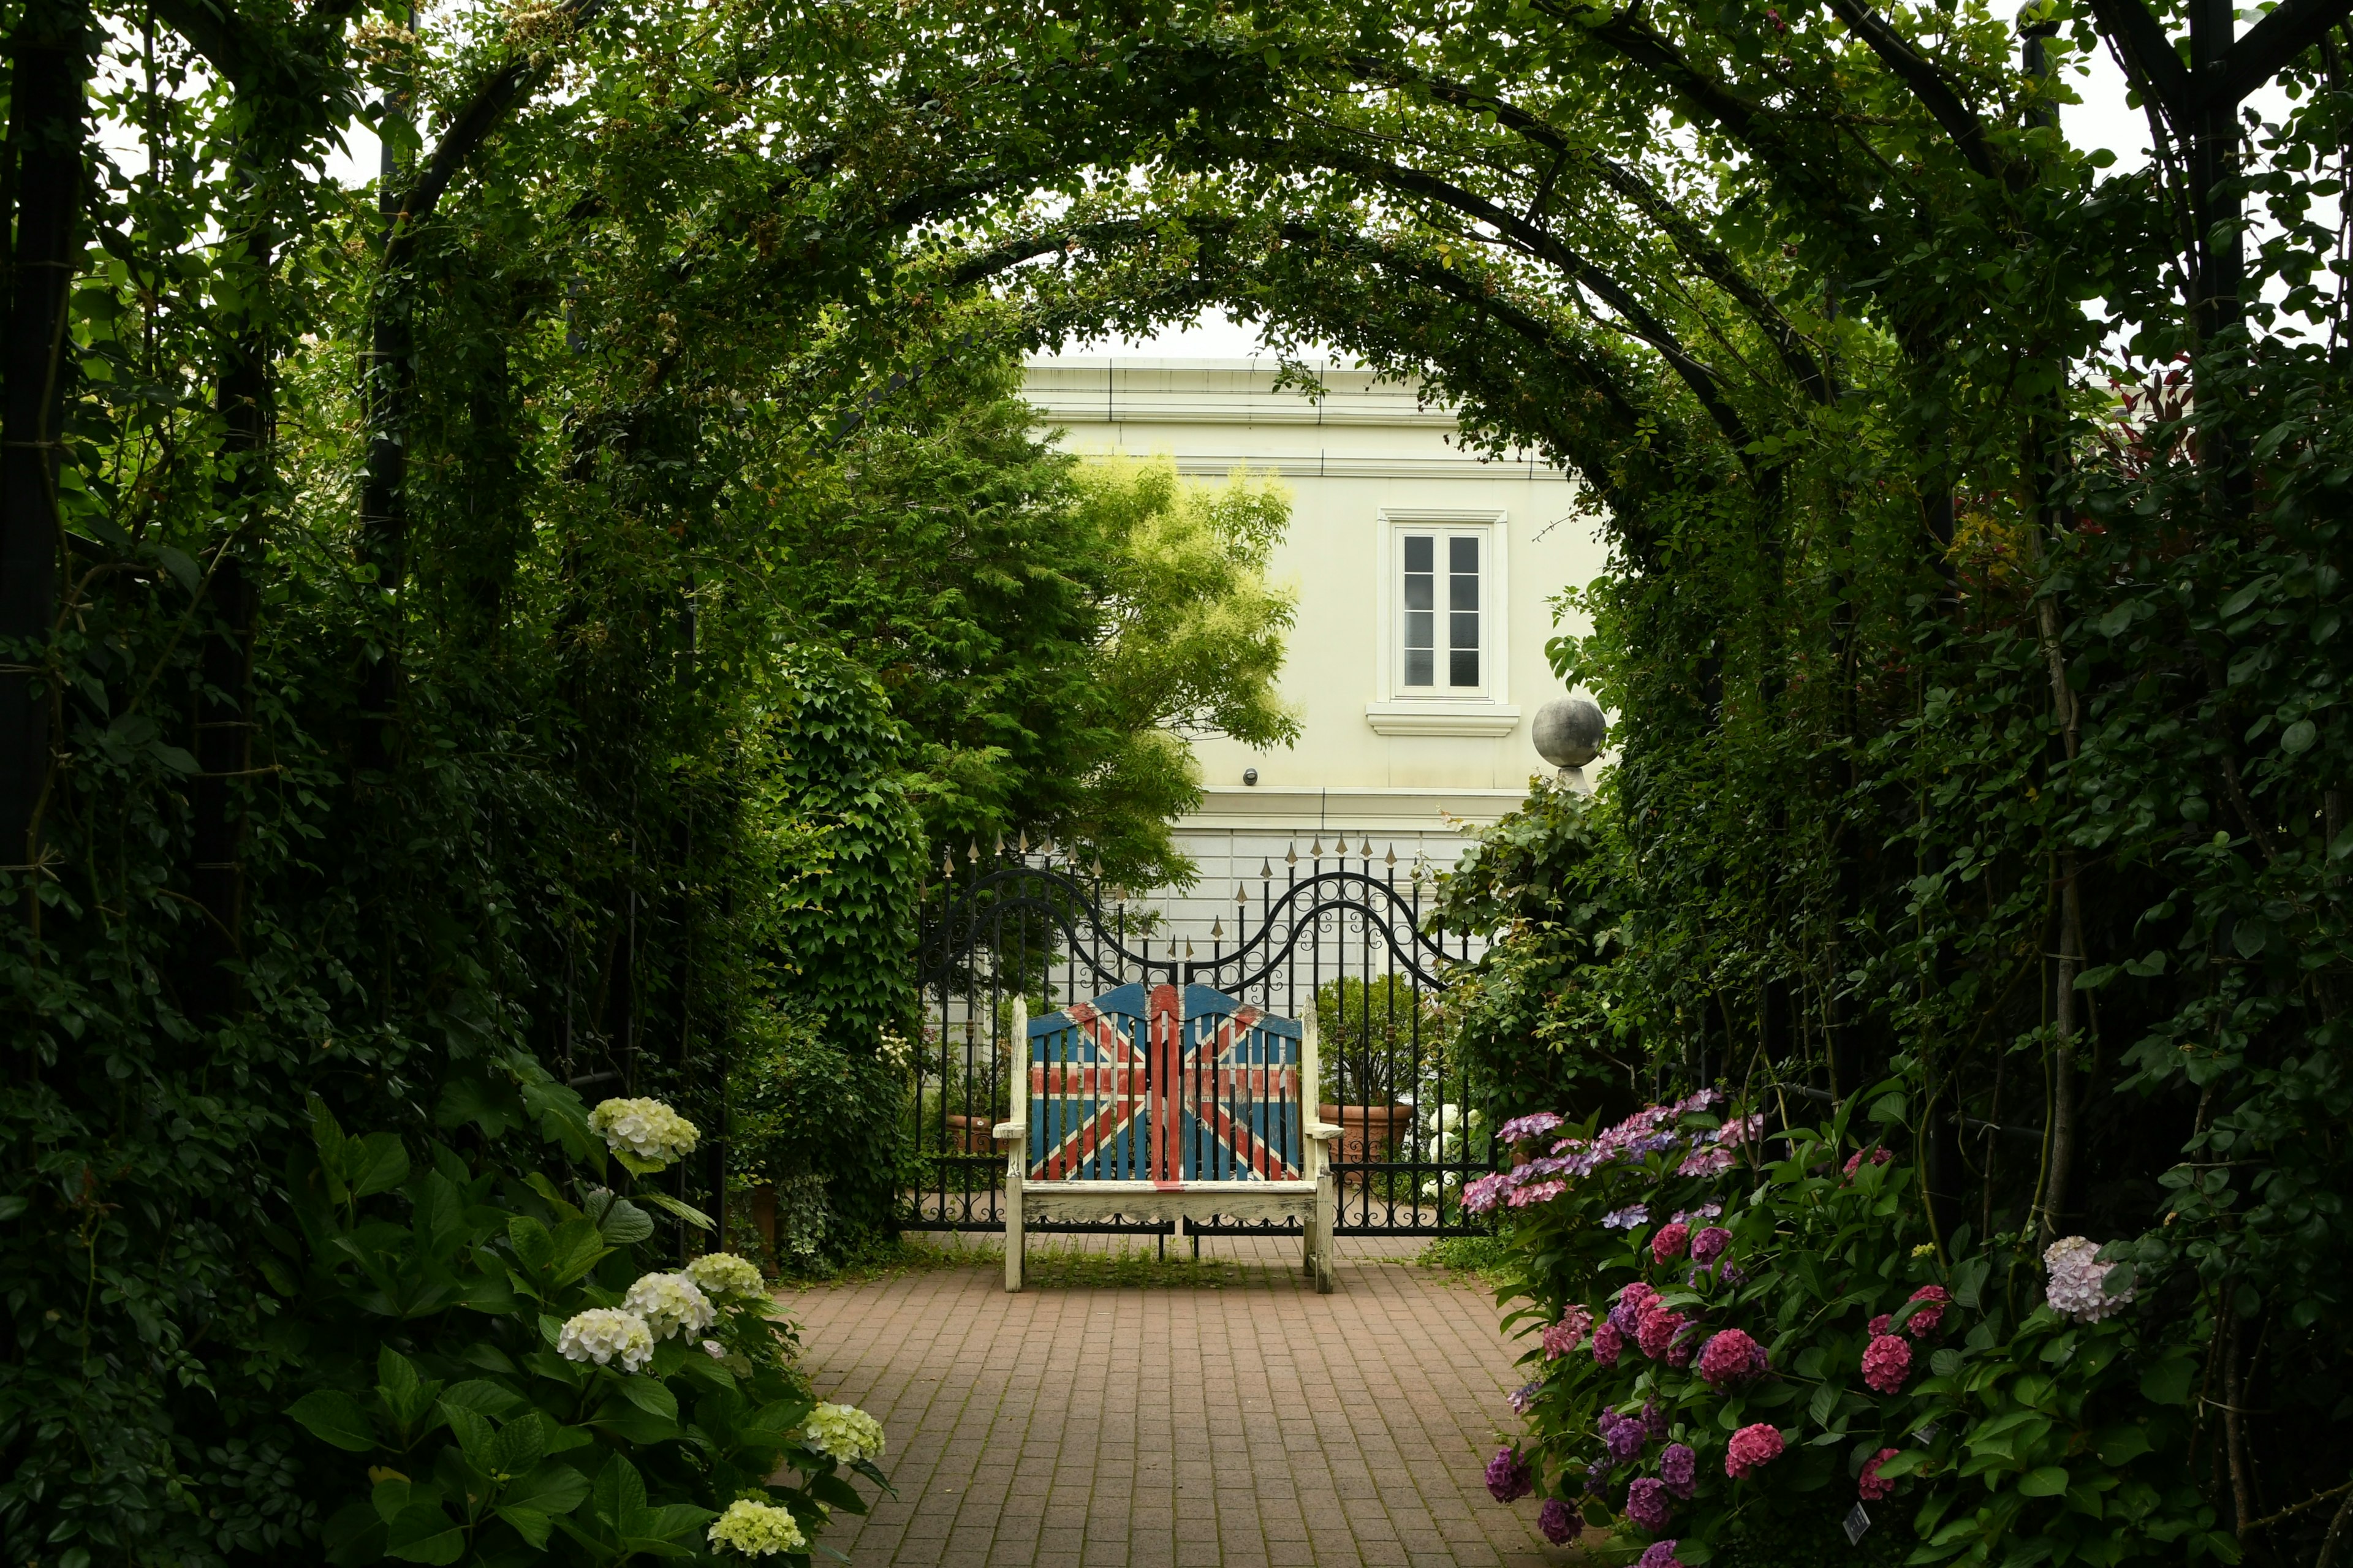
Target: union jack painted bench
column 1159, row 1103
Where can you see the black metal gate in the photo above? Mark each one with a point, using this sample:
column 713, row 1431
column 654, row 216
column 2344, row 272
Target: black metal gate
column 1337, row 931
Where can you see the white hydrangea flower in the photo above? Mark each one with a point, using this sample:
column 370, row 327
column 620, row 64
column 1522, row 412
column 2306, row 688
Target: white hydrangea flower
column 644, row 1128
column 757, row 1529
column 603, row 1334
column 2078, row 1281
column 671, row 1304
column 843, row 1432
column 724, row 1274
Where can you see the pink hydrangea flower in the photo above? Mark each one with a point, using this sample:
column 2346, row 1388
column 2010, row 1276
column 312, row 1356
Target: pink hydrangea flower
column 1710, row 1244
column 1657, row 1331
column 1507, row 1476
column 1480, row 1195
column 1536, row 1193
column 1929, row 1318
column 1521, row 1127
column 1871, row 1488
column 1558, row 1524
column 1607, row 1342
column 1886, row 1361
column 1565, row 1336
column 1713, row 1160
column 2079, row 1281
column 1751, row 1448
column 1637, row 1294
column 1877, row 1156
column 1646, row 1502
column 1670, row 1241
column 1729, row 1358
column 1879, row 1324
column 1659, row 1554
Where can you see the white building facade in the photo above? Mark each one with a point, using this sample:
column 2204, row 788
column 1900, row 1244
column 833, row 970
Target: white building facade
column 1425, row 576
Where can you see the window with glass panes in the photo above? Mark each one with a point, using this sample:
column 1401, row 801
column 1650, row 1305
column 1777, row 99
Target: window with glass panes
column 1443, row 595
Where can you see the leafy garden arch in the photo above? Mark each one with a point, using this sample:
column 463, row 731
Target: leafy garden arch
column 1979, row 720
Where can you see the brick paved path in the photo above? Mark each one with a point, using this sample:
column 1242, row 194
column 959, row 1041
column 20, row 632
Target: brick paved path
column 1251, row 1425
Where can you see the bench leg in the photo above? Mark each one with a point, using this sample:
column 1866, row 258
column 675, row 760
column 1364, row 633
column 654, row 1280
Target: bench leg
column 1013, row 1231
column 1321, row 1228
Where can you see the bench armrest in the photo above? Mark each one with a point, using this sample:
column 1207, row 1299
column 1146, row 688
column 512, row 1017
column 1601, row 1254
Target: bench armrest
column 1323, row 1131
column 1007, row 1131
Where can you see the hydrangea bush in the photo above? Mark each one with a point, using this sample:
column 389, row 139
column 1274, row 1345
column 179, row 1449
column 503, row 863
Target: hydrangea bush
column 511, row 1384
column 1732, row 1335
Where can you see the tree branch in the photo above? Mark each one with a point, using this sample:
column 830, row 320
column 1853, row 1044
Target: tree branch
column 1928, row 83
column 1705, row 383
column 470, row 127
column 1687, row 238
column 2148, row 55
column 2292, row 28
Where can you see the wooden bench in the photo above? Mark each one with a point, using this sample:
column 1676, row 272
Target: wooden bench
column 1159, row 1103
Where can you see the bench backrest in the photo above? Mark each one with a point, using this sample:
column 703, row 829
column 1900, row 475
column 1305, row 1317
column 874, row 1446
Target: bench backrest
column 1155, row 1085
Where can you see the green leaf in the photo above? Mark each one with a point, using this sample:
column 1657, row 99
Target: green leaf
column 648, row 1394
column 1969, row 1280
column 335, row 1417
column 2168, row 1383
column 634, row 1423
column 1903, row 1463
column 520, row 1445
column 13, row 1205
column 685, row 1211
column 625, row 1223
column 532, row 1243
column 533, row 1526
column 2049, row 1481
column 182, row 567
column 423, row 1533
column 552, row 1487
column 2121, row 1444
column 378, row 1165
column 485, row 1397
column 2298, row 737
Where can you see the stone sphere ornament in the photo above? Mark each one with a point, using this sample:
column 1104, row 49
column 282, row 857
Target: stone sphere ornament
column 1570, row 731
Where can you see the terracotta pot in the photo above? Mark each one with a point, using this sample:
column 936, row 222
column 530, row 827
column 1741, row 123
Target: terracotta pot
column 1368, row 1132
column 972, row 1134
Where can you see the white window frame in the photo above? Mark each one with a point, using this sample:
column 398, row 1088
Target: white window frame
column 1397, row 708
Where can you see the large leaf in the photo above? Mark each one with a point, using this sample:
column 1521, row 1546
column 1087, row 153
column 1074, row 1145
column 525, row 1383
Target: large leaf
column 336, row 1418
column 2050, row 1480
column 551, row 1487
column 423, row 1533
column 648, row 1394
column 377, row 1164
column 626, row 1225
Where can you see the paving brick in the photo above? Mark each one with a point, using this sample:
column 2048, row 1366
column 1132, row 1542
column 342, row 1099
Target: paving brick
column 1254, row 1425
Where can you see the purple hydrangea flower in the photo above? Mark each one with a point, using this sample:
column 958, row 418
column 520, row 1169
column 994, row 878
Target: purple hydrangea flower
column 1525, row 1127
column 1597, row 1478
column 1523, row 1397
column 1507, row 1476
column 1654, row 1419
column 1622, row 1434
column 1646, row 1502
column 1678, row 1468
column 1659, row 1554
column 1560, row 1526
column 1626, row 1219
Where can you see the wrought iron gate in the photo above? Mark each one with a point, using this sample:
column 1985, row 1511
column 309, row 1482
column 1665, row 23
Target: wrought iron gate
column 1335, row 932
